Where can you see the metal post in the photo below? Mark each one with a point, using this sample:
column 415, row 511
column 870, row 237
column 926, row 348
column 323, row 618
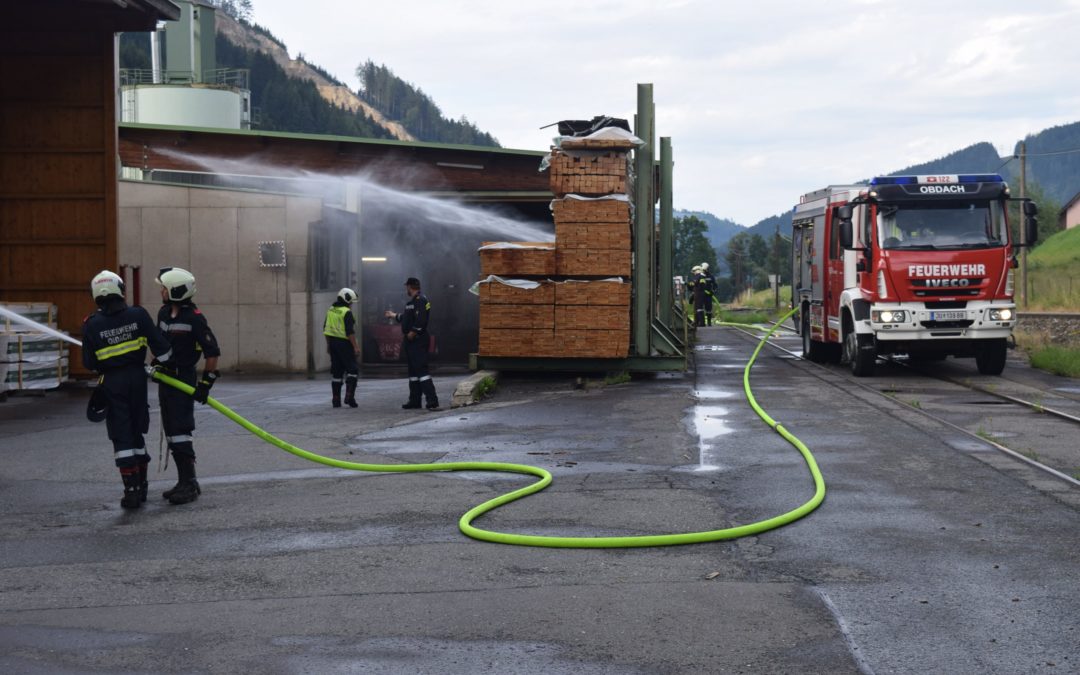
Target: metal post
column 643, row 219
column 1023, row 236
column 667, row 315
column 776, row 252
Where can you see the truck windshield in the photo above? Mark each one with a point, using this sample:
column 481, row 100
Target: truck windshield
column 947, row 225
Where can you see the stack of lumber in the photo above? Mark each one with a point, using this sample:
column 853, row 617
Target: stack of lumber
column 31, row 359
column 569, row 299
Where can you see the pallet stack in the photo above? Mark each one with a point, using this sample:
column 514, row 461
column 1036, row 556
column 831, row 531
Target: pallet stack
column 29, row 359
column 570, row 299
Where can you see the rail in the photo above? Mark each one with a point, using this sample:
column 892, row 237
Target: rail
column 236, row 78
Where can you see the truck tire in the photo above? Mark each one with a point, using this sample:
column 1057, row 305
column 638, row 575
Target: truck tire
column 859, row 353
column 812, row 349
column 990, row 356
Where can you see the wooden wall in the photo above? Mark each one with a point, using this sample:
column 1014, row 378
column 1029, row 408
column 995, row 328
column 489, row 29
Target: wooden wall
column 57, row 168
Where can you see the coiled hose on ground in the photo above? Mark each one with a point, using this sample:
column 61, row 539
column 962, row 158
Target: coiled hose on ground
column 465, row 523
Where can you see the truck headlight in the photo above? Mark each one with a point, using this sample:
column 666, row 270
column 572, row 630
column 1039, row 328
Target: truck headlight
column 889, row 316
column 1004, row 314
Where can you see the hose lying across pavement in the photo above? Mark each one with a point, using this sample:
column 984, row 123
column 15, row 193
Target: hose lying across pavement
column 465, row 522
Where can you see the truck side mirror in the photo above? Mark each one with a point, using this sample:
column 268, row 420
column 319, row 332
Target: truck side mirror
column 1031, row 228
column 846, row 234
column 1030, row 208
column 842, row 215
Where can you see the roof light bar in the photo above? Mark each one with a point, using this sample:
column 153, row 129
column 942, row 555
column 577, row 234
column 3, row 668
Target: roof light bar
column 919, row 180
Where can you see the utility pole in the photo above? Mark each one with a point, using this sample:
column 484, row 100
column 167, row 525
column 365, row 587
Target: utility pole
column 776, row 252
column 1023, row 237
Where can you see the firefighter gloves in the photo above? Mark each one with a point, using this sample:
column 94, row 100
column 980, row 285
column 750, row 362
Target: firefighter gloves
column 202, row 388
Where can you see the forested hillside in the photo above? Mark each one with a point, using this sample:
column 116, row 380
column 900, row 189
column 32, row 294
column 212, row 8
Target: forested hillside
column 402, row 101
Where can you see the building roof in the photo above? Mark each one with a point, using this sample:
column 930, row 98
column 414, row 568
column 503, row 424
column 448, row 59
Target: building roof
column 111, row 15
column 340, row 139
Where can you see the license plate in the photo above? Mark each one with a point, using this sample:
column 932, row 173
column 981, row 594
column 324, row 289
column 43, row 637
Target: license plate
column 947, row 316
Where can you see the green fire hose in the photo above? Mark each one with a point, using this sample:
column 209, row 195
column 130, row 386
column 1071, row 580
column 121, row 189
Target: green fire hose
column 465, row 523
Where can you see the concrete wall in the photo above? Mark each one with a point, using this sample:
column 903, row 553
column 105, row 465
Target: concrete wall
column 260, row 315
column 1072, row 215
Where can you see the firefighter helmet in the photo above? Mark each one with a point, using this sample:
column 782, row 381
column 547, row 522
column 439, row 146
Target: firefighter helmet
column 704, row 267
column 97, row 408
column 347, row 295
column 106, row 283
column 178, row 282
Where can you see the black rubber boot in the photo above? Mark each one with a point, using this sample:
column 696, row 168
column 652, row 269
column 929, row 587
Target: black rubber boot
column 414, row 396
column 350, row 392
column 131, row 498
column 144, row 484
column 428, row 387
column 336, row 400
column 187, row 488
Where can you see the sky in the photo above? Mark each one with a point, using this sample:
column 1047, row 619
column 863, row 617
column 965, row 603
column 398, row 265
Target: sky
column 764, row 100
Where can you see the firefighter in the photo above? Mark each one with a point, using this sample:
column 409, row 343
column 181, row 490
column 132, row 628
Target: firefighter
column 340, row 331
column 414, row 323
column 697, row 286
column 115, row 340
column 709, row 288
column 187, row 330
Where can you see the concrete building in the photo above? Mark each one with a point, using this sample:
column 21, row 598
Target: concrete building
column 266, row 316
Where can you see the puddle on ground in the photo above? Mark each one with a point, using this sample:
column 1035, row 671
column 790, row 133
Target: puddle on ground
column 709, row 423
column 712, row 394
column 711, row 348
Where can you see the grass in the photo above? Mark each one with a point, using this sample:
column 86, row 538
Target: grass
column 1045, row 355
column 1054, row 273
column 765, row 299
column 1057, row 360
column 617, row 378
column 484, row 388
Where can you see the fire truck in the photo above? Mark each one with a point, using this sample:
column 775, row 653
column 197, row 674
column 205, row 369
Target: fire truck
column 915, row 265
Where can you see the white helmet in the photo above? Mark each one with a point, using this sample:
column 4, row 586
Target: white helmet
column 179, row 282
column 695, row 268
column 704, row 267
column 347, row 295
column 106, row 283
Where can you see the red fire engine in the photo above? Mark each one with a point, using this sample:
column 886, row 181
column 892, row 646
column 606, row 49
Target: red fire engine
column 916, row 265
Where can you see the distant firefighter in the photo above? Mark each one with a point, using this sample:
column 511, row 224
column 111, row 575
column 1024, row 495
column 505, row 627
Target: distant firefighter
column 340, row 331
column 414, row 324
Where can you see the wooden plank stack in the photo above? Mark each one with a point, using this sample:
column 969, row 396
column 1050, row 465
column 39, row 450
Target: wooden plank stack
column 580, row 304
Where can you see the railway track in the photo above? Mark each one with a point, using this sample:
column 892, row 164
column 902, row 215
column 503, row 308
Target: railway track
column 1026, row 416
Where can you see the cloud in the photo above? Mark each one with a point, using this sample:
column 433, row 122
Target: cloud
column 764, row 101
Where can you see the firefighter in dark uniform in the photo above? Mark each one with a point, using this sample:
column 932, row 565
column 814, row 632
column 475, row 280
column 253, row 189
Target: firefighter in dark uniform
column 340, row 331
column 414, row 323
column 115, row 340
column 187, row 330
column 697, row 287
column 708, row 282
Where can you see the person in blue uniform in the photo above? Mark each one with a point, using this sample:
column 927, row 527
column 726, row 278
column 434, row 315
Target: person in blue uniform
column 115, row 340
column 187, row 330
column 414, row 329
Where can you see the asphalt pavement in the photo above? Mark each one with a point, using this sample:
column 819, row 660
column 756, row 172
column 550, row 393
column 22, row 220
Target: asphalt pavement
column 921, row 559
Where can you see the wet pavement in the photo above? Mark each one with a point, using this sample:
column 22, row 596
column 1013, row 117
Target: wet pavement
column 920, row 559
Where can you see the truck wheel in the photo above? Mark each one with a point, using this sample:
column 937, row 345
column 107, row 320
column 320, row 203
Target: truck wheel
column 990, row 356
column 812, row 349
column 859, row 353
